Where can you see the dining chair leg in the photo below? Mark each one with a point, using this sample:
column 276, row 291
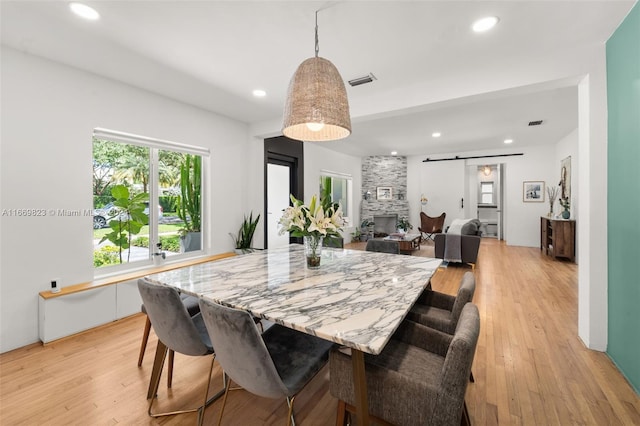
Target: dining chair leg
column 290, row 420
column 154, row 381
column 341, row 417
column 156, row 371
column 145, row 339
column 465, row 420
column 206, row 393
column 172, row 355
column 224, row 401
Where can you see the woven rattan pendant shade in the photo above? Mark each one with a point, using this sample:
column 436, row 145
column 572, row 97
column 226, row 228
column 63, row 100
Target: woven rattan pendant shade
column 316, row 95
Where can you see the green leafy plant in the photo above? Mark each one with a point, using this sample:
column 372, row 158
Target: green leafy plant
column 404, row 224
column 245, row 233
column 189, row 202
column 366, row 223
column 129, row 218
column 167, row 242
column 355, row 235
column 107, row 255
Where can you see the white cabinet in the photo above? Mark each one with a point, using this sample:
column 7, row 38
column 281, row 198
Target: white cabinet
column 72, row 313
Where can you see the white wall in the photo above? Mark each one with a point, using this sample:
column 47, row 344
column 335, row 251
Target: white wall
column 317, row 158
column 48, row 114
column 443, row 183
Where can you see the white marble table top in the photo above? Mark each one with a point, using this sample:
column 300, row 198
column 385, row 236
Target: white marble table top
column 356, row 298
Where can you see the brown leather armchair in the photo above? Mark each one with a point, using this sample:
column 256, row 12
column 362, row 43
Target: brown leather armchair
column 431, row 225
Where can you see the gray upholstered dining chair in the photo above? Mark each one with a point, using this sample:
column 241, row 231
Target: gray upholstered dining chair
column 177, row 331
column 383, row 246
column 420, row 378
column 189, row 302
column 441, row 311
column 276, row 364
column 333, row 242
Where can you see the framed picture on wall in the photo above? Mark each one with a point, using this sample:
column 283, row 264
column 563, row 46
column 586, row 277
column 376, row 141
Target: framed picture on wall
column 385, row 193
column 565, row 178
column 533, row 191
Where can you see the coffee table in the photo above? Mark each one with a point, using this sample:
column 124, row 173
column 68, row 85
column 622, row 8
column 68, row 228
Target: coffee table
column 407, row 243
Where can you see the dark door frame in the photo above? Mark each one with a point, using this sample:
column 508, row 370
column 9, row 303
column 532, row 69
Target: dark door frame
column 285, row 152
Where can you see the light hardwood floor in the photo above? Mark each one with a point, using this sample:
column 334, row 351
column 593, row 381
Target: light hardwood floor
column 530, row 367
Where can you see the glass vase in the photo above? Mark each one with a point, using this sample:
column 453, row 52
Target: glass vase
column 313, row 250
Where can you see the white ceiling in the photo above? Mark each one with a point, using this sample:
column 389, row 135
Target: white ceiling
column 212, row 54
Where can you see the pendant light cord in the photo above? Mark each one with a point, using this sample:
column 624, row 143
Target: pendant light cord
column 317, row 43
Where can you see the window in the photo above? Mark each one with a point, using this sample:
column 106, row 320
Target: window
column 486, row 193
column 339, row 188
column 147, row 199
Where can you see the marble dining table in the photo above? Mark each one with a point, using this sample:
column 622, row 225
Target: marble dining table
column 355, row 298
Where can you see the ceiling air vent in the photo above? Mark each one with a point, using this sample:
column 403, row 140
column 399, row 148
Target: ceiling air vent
column 535, row 123
column 362, row 80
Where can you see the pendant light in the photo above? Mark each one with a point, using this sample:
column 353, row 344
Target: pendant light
column 317, row 108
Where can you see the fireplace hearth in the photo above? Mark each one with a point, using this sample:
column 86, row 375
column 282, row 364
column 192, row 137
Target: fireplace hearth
column 384, row 224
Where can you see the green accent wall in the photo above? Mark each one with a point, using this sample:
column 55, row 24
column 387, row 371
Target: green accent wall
column 623, row 204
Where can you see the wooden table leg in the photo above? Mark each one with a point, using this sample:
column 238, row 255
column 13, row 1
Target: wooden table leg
column 158, row 362
column 360, row 387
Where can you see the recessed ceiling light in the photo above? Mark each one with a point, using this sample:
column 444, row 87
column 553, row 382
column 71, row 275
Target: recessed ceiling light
column 485, row 24
column 394, row 152
column 508, row 141
column 259, row 93
column 436, row 134
column 84, row 11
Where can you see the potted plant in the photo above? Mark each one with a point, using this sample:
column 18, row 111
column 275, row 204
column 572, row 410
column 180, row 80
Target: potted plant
column 128, row 218
column 244, row 238
column 367, row 225
column 355, row 236
column 404, row 225
column 188, row 203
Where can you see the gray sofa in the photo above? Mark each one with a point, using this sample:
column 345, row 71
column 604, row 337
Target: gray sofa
column 469, row 244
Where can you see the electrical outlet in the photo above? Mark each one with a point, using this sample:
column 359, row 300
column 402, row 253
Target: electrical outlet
column 55, row 285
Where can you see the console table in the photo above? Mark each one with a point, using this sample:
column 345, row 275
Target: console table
column 558, row 237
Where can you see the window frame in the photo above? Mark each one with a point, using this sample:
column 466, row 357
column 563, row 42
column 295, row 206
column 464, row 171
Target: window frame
column 483, row 192
column 349, row 198
column 156, row 145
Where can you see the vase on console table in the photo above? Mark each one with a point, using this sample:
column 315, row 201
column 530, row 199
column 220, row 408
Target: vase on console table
column 313, row 250
column 566, row 214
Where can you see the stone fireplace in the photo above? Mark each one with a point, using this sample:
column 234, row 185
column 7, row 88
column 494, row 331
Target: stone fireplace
column 385, row 224
column 384, row 171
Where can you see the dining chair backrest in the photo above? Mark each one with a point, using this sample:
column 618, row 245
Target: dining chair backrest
column 465, row 294
column 241, row 351
column 430, row 224
column 170, row 319
column 457, row 363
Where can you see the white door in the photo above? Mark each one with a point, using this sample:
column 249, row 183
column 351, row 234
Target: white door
column 278, row 191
